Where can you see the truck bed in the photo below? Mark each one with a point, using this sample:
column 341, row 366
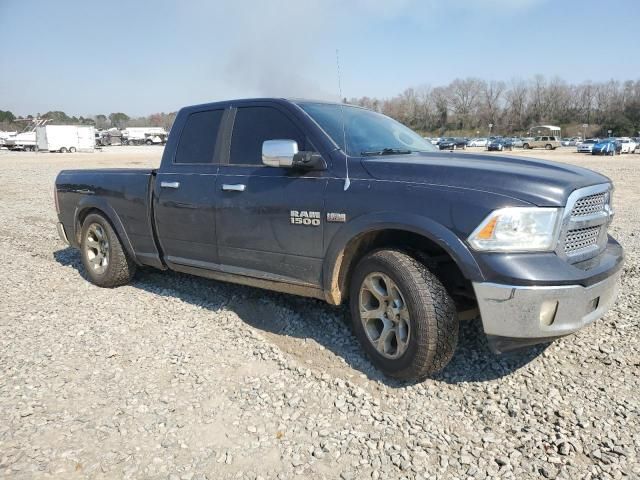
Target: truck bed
column 124, row 194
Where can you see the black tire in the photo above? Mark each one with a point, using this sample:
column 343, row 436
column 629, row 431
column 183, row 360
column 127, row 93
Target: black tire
column 548, row 146
column 433, row 327
column 72, row 149
column 119, row 269
column 149, row 142
column 63, row 150
column 525, row 146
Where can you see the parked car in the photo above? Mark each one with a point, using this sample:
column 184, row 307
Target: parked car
column 478, row 142
column 435, row 141
column 500, row 144
column 627, row 145
column 451, row 143
column 610, row 146
column 517, row 142
column 274, row 208
column 548, row 142
column 587, row 145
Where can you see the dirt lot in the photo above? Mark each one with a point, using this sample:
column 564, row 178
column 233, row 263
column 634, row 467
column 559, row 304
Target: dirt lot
column 184, row 378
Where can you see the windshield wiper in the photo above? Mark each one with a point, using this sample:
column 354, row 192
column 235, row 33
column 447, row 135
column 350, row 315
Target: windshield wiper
column 386, row 151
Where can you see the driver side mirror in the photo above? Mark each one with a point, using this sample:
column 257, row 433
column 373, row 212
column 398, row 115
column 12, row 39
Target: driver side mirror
column 284, row 153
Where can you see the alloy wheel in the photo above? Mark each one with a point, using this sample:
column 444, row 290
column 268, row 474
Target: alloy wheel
column 384, row 315
column 97, row 248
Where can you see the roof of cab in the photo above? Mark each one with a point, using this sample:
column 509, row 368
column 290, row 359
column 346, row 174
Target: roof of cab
column 240, row 101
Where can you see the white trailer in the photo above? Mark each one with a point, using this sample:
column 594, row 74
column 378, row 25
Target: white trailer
column 144, row 135
column 66, row 138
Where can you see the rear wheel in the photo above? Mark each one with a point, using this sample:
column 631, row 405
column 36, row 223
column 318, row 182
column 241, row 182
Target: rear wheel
column 402, row 315
column 525, row 146
column 63, row 150
column 548, row 146
column 72, row 150
column 104, row 258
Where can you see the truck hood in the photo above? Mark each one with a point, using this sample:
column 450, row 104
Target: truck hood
column 539, row 182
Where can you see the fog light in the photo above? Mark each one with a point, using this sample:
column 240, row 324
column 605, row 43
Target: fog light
column 548, row 312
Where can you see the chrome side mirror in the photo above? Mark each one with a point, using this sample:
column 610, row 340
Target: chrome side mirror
column 279, row 153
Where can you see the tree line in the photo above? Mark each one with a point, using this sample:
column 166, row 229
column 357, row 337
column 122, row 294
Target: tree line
column 463, row 107
column 469, row 106
column 11, row 122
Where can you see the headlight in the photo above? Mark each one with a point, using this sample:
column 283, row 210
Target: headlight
column 517, row 229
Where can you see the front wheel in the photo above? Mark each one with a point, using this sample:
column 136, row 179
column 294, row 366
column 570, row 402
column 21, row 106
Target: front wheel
column 104, row 258
column 72, row 150
column 402, row 315
column 63, row 150
column 525, row 146
column 548, row 147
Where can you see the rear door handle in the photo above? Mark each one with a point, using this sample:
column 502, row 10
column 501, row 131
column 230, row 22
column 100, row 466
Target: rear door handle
column 238, row 187
column 170, row 184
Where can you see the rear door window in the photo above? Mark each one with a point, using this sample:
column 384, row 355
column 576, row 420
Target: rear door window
column 198, row 139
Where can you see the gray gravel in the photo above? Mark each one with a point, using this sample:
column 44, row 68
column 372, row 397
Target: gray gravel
column 176, row 377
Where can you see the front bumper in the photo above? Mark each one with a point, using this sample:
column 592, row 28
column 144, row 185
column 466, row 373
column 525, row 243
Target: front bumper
column 530, row 314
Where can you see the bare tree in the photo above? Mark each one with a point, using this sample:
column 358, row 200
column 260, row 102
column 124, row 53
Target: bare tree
column 464, row 99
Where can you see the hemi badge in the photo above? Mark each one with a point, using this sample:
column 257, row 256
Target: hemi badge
column 336, row 217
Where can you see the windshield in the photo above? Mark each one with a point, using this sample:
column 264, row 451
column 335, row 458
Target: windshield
column 366, row 132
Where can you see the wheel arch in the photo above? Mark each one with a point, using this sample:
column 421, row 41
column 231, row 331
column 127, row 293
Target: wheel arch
column 89, row 205
column 403, row 231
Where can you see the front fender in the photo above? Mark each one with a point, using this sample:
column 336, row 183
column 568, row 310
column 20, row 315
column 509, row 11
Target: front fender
column 437, row 233
column 93, row 202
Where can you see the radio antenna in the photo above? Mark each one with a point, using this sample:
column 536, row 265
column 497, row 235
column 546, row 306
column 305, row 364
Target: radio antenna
column 347, row 182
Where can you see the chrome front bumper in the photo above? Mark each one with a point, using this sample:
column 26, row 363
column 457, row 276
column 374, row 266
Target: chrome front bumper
column 542, row 312
column 62, row 233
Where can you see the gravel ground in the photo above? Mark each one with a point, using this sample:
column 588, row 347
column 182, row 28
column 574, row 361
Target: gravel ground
column 176, row 377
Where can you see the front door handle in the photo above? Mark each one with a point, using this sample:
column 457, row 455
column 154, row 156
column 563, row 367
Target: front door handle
column 170, row 184
column 238, row 187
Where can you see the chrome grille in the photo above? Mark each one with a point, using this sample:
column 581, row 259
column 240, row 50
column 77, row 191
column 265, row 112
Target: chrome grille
column 581, row 238
column 589, row 205
column 585, row 222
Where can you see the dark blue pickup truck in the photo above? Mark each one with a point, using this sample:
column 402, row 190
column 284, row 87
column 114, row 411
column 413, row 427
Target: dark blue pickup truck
column 344, row 204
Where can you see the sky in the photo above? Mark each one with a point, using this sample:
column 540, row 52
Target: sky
column 141, row 57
